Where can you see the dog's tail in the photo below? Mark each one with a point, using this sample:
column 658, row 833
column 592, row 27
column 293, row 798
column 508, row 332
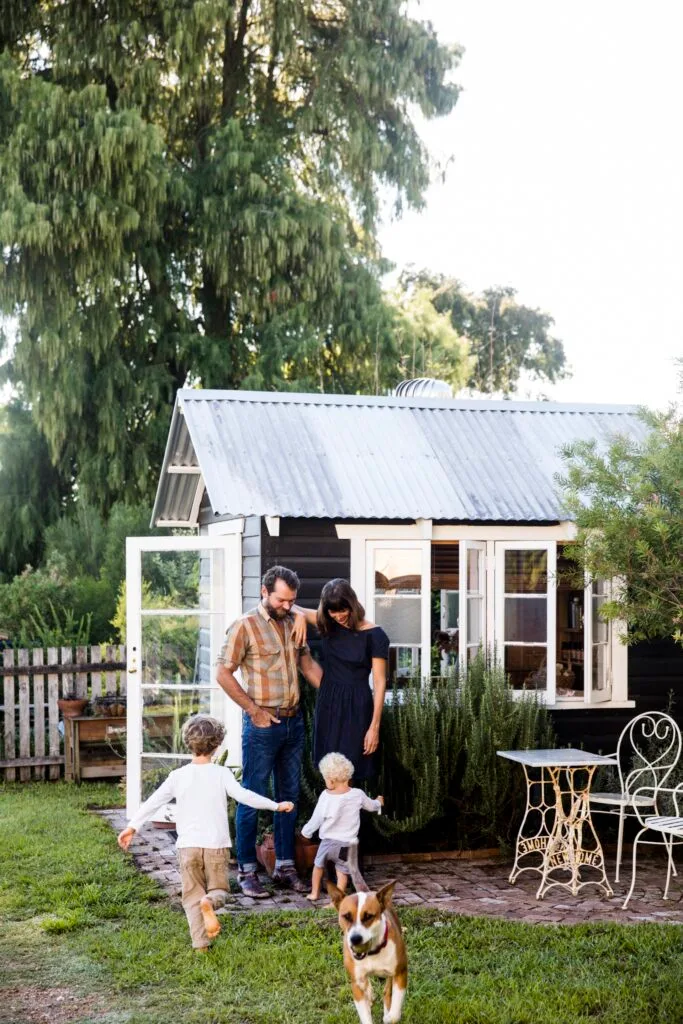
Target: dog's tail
column 359, row 882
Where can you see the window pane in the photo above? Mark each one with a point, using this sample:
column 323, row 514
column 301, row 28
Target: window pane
column 400, row 617
column 526, row 572
column 599, row 624
column 600, row 664
column 171, row 579
column 404, row 663
column 474, row 616
column 164, row 714
column 175, row 649
column 154, row 771
column 474, row 580
column 526, row 619
column 526, row 667
column 398, row 571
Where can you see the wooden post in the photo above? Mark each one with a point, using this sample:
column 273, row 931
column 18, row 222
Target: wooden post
column 38, row 715
column 10, row 724
column 110, row 677
column 67, row 677
column 82, row 677
column 53, row 710
column 95, row 677
column 24, row 716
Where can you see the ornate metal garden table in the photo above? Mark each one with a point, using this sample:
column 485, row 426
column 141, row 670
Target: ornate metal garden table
column 557, row 824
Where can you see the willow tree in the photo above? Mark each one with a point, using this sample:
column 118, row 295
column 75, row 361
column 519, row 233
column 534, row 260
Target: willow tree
column 189, row 192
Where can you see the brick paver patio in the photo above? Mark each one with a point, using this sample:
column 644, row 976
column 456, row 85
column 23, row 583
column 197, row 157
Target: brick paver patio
column 474, row 888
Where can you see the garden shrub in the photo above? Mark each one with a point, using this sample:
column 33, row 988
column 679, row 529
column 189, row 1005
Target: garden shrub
column 443, row 783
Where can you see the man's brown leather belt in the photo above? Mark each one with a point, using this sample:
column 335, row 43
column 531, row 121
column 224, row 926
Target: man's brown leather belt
column 282, row 712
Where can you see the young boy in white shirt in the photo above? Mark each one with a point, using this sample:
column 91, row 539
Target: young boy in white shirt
column 336, row 818
column 201, row 790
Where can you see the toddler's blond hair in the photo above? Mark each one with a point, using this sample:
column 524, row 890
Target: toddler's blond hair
column 336, row 768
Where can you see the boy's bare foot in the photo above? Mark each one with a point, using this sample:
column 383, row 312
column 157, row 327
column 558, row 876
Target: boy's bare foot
column 313, row 896
column 211, row 922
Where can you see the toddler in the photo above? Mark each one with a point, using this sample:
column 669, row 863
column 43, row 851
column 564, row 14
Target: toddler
column 336, row 818
column 201, row 790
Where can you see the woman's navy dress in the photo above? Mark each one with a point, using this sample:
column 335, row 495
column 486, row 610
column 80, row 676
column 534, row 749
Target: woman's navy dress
column 343, row 711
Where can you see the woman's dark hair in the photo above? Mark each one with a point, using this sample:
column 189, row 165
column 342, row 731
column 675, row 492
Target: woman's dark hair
column 338, row 596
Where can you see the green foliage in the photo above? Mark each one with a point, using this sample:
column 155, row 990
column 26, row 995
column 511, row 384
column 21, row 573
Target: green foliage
column 628, row 505
column 439, row 761
column 189, row 193
column 505, row 339
column 32, row 490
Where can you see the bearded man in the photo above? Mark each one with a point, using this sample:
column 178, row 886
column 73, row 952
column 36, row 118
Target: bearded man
column 262, row 646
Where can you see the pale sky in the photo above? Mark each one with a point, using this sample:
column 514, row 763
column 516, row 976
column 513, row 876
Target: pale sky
column 566, row 181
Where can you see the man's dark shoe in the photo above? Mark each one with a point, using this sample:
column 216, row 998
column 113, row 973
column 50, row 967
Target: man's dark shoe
column 287, row 878
column 250, row 885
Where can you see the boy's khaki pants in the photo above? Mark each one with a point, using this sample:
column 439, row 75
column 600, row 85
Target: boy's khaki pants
column 203, row 873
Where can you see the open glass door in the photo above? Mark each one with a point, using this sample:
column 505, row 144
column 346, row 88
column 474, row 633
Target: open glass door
column 525, row 613
column 472, row 600
column 597, row 643
column 398, row 590
column 181, row 592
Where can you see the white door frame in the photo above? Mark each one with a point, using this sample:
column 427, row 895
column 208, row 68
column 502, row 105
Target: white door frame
column 225, row 597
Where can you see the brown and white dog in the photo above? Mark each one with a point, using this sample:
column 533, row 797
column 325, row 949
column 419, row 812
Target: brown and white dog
column 373, row 945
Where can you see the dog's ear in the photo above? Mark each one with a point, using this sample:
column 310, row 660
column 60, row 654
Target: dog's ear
column 385, row 894
column 335, row 894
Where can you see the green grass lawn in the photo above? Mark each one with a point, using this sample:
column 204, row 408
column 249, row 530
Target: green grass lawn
column 75, row 916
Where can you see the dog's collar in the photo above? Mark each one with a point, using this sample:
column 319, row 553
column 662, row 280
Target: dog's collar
column 374, row 952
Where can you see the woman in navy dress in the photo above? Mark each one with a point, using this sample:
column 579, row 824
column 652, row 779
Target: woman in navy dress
column 347, row 711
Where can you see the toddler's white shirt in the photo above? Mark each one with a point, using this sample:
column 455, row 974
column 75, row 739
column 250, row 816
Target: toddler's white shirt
column 201, row 794
column 337, row 815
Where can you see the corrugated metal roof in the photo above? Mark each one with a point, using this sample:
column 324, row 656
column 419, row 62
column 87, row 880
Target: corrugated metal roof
column 360, row 457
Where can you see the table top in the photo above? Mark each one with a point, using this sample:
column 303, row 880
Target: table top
column 563, row 757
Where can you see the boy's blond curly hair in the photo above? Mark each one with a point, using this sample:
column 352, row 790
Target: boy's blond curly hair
column 336, row 768
column 202, row 734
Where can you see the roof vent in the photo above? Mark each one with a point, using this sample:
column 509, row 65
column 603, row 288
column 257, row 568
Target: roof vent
column 423, row 387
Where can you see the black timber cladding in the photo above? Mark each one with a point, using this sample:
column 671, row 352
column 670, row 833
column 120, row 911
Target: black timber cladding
column 312, row 549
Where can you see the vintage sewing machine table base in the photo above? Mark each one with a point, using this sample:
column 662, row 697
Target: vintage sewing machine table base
column 557, row 837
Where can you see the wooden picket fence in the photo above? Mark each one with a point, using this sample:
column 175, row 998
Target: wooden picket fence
column 33, row 680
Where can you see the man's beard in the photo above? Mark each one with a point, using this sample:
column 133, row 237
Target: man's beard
column 275, row 613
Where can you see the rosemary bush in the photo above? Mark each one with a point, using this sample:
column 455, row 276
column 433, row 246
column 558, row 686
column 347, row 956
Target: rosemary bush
column 441, row 776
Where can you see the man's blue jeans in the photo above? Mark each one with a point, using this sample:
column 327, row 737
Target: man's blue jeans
column 274, row 751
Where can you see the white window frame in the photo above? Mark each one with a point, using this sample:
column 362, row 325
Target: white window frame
column 358, row 534
column 550, row 547
column 464, row 547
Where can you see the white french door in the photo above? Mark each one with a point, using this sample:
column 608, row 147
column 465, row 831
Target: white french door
column 525, row 614
column 181, row 593
column 473, row 583
column 398, row 587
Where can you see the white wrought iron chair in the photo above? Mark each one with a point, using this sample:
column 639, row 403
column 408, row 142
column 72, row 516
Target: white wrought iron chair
column 669, row 827
column 649, row 747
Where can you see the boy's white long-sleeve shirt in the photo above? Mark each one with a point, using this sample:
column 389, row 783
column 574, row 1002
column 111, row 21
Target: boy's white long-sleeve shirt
column 337, row 815
column 201, row 794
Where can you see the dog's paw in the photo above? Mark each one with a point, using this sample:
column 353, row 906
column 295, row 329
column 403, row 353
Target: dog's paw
column 390, row 1018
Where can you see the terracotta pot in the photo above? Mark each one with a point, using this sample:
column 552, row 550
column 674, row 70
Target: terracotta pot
column 304, row 853
column 72, row 708
column 265, row 853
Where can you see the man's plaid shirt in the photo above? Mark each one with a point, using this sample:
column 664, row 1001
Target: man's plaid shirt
column 269, row 665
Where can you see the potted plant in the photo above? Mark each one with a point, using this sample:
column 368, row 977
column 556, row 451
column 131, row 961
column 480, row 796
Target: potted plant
column 265, row 850
column 71, row 705
column 304, row 852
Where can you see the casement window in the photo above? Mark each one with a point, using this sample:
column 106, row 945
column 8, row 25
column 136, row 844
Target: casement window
column 441, row 599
